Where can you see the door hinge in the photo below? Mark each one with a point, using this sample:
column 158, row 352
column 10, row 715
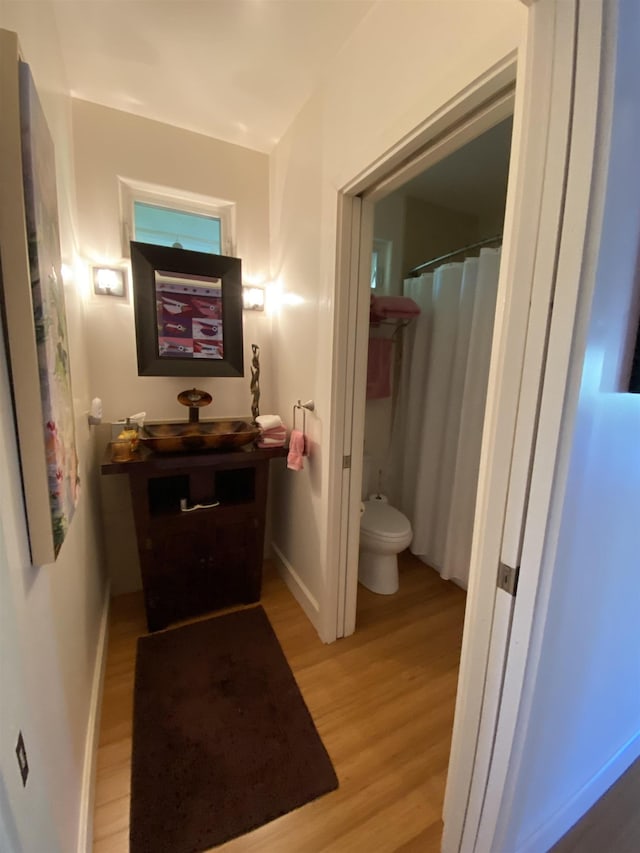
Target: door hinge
column 508, row 578
column 346, row 462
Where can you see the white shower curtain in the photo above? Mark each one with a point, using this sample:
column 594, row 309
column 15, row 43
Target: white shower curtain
column 439, row 412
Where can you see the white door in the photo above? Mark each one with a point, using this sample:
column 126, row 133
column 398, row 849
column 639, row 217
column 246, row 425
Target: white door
column 579, row 33
column 535, row 210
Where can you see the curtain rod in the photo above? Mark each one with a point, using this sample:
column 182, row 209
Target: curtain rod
column 446, row 257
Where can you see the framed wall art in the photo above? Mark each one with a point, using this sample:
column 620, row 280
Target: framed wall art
column 34, row 312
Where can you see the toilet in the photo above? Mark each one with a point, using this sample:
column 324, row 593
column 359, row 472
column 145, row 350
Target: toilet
column 384, row 532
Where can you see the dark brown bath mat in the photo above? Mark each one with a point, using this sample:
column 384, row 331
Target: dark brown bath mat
column 222, row 739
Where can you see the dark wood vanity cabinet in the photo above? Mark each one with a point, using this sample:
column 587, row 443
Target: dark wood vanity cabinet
column 202, row 559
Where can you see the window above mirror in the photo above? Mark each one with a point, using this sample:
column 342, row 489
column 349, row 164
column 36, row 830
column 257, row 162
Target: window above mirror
column 164, row 226
column 164, row 216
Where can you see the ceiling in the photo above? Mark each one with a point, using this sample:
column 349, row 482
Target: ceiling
column 473, row 179
column 237, row 70
column 240, row 71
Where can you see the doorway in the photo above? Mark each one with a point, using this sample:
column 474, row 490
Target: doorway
column 490, row 105
column 434, row 279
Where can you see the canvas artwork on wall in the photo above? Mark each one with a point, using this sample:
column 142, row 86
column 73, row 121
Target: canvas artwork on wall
column 49, row 317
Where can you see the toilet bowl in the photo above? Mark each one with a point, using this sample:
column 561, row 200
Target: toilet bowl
column 384, row 532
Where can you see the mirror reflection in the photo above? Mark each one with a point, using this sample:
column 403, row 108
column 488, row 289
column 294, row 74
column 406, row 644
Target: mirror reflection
column 189, row 315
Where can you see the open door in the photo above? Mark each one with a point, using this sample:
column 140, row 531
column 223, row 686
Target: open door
column 537, row 468
column 355, row 225
column 535, row 212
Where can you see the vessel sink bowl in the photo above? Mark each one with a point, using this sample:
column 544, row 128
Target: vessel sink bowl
column 203, row 435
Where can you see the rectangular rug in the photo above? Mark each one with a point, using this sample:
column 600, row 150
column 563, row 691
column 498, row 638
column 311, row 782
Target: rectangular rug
column 222, row 739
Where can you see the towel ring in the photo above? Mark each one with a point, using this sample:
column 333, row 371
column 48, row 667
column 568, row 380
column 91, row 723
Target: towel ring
column 309, row 406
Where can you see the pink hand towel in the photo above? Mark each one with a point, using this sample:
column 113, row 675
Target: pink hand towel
column 271, row 442
column 296, row 450
column 278, row 432
column 273, row 429
column 274, row 437
column 379, row 368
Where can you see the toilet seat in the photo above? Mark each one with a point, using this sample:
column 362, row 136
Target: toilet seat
column 383, row 522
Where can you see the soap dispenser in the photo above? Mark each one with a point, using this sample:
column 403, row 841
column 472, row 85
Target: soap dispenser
column 130, row 434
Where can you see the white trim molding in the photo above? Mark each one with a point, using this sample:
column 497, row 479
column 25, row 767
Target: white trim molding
column 87, row 793
column 548, row 834
column 298, row 589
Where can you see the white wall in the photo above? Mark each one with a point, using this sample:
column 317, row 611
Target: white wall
column 110, row 144
column 584, row 715
column 51, row 619
column 403, row 63
column 433, row 230
column 389, row 225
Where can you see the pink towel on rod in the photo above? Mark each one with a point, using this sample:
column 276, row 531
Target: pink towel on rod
column 296, row 450
column 393, row 308
column 379, row 368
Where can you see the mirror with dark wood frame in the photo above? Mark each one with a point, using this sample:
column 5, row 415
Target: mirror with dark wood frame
column 188, row 312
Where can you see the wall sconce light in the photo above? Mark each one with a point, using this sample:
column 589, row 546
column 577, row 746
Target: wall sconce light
column 253, row 298
column 109, row 281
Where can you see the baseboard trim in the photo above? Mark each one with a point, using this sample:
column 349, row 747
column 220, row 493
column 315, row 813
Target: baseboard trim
column 561, row 822
column 297, row 587
column 87, row 793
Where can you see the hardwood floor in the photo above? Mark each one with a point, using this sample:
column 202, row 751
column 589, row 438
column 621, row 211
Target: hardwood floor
column 382, row 700
column 612, row 824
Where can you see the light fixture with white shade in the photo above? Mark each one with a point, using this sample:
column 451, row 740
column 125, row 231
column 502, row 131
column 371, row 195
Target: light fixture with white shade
column 109, row 281
column 253, row 298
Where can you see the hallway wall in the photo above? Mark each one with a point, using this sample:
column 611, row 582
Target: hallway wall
column 52, row 615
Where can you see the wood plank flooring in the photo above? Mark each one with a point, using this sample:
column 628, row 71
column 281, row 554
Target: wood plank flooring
column 382, row 700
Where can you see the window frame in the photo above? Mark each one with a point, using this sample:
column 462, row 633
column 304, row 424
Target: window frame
column 182, row 201
column 381, row 250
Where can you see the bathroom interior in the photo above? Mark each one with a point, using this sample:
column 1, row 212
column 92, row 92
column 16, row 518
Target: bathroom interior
column 435, row 262
column 56, row 614
column 435, row 267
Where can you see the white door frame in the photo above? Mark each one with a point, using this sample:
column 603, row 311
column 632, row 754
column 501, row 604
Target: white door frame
column 528, row 270
column 484, row 104
column 580, row 224
column 544, row 123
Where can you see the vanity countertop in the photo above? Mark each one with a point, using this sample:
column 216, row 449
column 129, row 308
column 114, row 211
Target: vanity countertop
column 146, row 460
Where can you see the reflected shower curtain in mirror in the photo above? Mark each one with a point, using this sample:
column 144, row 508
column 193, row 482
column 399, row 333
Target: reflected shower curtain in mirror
column 439, row 412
